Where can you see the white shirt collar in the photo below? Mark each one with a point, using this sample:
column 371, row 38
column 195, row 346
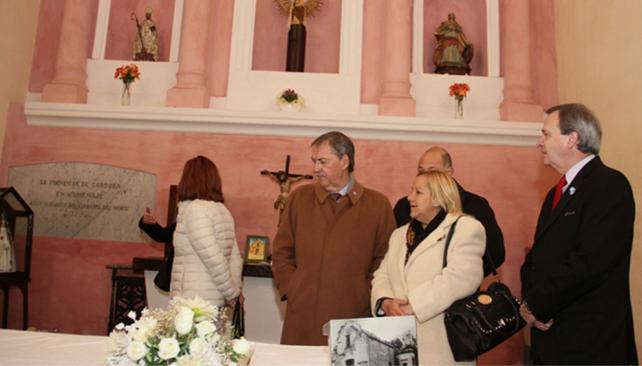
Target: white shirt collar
column 572, row 173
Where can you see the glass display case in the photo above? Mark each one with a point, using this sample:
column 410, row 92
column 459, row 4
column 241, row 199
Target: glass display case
column 16, row 236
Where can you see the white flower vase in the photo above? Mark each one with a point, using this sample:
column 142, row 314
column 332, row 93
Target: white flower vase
column 290, row 107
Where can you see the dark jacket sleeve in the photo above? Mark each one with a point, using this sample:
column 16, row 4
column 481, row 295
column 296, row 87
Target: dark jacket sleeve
column 157, row 232
column 402, row 211
column 479, row 207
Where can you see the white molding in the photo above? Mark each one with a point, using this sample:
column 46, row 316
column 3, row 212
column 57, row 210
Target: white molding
column 102, row 23
column 177, row 24
column 492, row 37
column 351, row 38
column 418, row 37
column 280, row 123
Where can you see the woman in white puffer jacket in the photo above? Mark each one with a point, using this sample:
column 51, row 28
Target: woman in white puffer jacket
column 207, row 261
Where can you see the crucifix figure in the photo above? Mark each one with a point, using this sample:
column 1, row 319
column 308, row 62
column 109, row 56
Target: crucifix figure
column 285, row 180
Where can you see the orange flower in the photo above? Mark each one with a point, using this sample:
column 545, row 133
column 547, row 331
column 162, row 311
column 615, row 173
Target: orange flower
column 459, row 90
column 127, row 73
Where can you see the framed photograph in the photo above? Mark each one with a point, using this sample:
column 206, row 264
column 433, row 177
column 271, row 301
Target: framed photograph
column 256, row 250
column 390, row 340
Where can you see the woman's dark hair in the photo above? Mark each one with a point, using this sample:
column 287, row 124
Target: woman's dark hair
column 200, row 180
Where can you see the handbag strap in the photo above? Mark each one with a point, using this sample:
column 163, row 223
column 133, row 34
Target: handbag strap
column 486, row 253
column 448, row 238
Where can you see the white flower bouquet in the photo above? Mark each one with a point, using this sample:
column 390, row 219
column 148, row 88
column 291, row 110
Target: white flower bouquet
column 289, row 100
column 189, row 332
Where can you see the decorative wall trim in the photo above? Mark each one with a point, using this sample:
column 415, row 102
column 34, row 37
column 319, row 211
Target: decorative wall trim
column 273, row 123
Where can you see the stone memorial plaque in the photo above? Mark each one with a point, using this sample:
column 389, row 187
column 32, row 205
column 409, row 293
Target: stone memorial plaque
column 84, row 200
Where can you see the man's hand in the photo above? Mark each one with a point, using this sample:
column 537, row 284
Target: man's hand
column 396, row 307
column 543, row 326
column 148, row 218
column 531, row 320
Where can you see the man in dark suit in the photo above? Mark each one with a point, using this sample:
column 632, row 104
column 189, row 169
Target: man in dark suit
column 575, row 279
column 437, row 158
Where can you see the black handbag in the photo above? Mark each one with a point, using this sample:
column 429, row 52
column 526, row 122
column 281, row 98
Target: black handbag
column 238, row 319
column 479, row 322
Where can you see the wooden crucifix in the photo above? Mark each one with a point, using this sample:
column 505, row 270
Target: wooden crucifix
column 285, row 180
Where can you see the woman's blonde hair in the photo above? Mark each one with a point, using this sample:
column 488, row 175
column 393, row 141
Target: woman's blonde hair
column 443, row 190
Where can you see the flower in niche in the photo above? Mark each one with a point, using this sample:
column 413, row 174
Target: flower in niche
column 127, row 73
column 289, row 100
column 459, row 91
column 290, row 96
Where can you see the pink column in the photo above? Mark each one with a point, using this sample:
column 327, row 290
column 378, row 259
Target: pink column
column 519, row 103
column 68, row 84
column 190, row 89
column 395, row 99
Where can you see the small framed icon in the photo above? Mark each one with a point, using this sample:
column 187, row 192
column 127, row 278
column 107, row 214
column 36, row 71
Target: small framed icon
column 256, row 249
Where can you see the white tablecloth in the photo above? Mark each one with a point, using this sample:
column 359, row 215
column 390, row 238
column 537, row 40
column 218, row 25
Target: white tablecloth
column 20, row 348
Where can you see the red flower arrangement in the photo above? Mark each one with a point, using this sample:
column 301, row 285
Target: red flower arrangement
column 127, row 73
column 459, row 91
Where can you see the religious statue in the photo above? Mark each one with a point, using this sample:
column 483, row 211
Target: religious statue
column 285, row 181
column 145, row 45
column 297, row 11
column 7, row 253
column 453, row 53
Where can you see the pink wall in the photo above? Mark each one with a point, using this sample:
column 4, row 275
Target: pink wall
column 544, row 58
column 66, row 271
column 322, row 41
column 121, row 31
column 542, row 52
column 220, row 32
column 46, row 47
column 471, row 15
column 372, row 66
column 47, row 42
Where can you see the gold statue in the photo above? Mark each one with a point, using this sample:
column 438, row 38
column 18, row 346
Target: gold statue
column 145, row 45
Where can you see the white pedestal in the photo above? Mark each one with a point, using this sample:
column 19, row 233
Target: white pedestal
column 156, row 298
column 264, row 311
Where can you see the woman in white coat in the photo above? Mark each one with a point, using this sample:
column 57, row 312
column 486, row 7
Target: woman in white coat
column 411, row 280
column 207, row 261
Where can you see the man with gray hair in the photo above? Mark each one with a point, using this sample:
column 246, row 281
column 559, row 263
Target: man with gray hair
column 332, row 236
column 575, row 279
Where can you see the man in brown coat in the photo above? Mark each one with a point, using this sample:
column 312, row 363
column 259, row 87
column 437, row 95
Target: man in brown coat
column 332, row 236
